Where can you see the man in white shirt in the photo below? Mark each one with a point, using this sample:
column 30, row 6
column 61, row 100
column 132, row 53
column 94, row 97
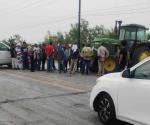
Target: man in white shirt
column 102, row 53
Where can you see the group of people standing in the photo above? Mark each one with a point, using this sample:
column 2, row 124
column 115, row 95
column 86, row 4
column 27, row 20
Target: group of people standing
column 70, row 59
column 78, row 61
column 28, row 56
column 34, row 57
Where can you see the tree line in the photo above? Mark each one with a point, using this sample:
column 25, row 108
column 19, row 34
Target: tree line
column 87, row 34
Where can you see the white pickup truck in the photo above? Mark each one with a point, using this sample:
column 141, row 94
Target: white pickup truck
column 5, row 58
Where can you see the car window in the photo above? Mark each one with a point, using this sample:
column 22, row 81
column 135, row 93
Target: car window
column 3, row 47
column 143, row 71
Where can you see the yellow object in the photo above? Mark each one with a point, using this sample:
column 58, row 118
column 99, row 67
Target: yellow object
column 109, row 65
column 143, row 55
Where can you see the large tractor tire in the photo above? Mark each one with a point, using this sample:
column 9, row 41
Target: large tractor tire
column 110, row 65
column 140, row 54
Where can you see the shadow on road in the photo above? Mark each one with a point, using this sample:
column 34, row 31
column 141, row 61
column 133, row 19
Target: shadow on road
column 4, row 67
column 122, row 123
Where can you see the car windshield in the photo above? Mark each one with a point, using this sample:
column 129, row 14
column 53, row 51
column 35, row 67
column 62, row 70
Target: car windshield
column 143, row 71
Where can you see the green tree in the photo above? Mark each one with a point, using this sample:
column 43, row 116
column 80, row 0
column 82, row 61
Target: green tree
column 72, row 36
column 87, row 34
column 15, row 39
column 97, row 31
column 60, row 37
column 110, row 34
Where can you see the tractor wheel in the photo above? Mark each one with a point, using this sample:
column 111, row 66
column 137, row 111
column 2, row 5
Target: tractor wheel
column 110, row 65
column 140, row 54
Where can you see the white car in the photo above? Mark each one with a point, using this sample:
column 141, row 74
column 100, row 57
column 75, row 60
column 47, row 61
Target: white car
column 5, row 57
column 124, row 96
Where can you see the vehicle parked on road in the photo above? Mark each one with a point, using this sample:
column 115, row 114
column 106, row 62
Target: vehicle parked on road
column 5, row 58
column 137, row 45
column 123, row 95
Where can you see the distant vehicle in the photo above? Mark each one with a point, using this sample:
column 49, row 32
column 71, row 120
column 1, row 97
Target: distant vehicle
column 124, row 95
column 5, row 57
column 137, row 45
column 137, row 42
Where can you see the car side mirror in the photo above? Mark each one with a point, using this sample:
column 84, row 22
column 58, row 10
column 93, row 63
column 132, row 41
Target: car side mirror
column 126, row 73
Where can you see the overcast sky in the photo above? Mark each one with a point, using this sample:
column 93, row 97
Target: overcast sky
column 33, row 18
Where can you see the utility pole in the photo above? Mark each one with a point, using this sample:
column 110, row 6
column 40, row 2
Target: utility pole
column 119, row 22
column 117, row 27
column 79, row 24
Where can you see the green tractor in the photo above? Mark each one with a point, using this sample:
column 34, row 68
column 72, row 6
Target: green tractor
column 137, row 45
column 113, row 46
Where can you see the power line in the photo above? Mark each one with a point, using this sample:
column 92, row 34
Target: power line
column 68, row 18
column 126, row 10
column 6, row 7
column 30, row 4
column 46, row 23
column 109, row 14
column 71, row 17
column 8, row 10
column 36, row 4
column 115, row 7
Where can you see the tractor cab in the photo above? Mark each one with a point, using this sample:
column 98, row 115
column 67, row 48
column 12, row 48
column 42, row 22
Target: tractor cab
column 133, row 33
column 137, row 43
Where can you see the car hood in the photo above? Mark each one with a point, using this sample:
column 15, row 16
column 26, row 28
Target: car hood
column 110, row 76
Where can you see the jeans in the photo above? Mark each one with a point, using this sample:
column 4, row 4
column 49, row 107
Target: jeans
column 43, row 63
column 25, row 62
column 32, row 68
column 66, row 64
column 39, row 64
column 81, row 64
column 14, row 65
column 54, row 67
column 50, row 64
column 85, row 66
column 101, row 69
column 61, row 65
column 73, row 66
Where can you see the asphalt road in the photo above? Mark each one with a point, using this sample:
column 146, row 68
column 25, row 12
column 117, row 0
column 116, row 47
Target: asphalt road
column 42, row 98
